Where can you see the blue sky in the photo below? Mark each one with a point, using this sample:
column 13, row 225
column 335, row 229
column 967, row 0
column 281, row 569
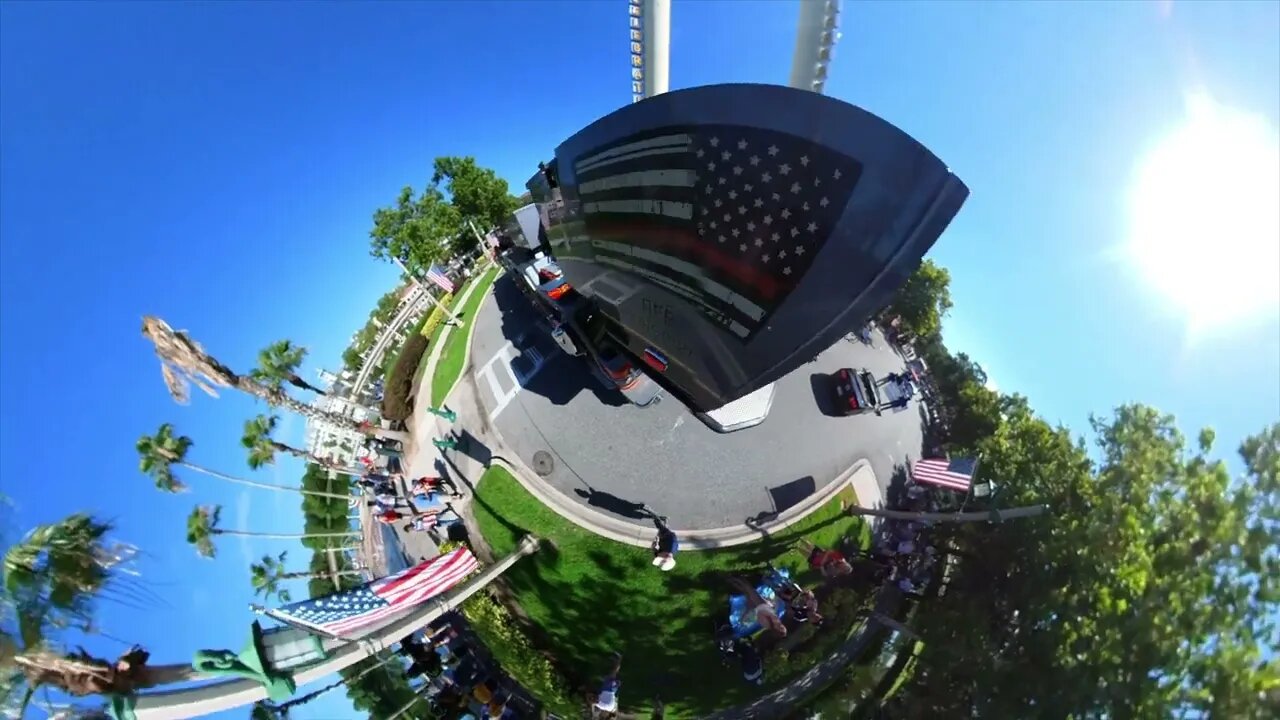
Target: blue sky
column 217, row 164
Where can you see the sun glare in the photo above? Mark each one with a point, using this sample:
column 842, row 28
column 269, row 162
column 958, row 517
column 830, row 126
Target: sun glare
column 1204, row 216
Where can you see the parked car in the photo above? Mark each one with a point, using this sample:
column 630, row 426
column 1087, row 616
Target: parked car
column 855, row 392
column 627, row 376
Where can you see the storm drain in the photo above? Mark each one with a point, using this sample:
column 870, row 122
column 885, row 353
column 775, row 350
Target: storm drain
column 543, row 463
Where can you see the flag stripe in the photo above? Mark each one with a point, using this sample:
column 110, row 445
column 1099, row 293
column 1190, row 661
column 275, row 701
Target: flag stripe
column 954, row 474
column 346, row 612
column 693, row 272
column 740, row 213
column 676, row 141
column 640, row 178
column 412, row 598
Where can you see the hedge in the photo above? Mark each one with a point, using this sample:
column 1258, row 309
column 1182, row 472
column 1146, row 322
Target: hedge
column 397, row 398
column 510, row 647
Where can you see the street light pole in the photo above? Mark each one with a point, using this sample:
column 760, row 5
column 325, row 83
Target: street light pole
column 453, row 319
column 213, row 697
column 993, row 515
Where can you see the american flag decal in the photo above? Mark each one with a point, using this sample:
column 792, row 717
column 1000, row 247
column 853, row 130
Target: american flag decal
column 346, row 613
column 730, row 217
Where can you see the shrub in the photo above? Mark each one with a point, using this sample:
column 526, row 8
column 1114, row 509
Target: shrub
column 434, row 317
column 513, row 651
column 397, row 403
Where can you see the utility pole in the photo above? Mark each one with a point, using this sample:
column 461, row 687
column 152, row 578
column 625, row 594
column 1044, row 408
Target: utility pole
column 484, row 251
column 994, row 515
column 453, row 319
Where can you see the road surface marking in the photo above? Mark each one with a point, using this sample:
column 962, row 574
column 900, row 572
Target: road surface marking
column 505, row 355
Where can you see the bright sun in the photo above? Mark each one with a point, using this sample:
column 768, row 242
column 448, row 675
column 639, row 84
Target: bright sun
column 1204, row 216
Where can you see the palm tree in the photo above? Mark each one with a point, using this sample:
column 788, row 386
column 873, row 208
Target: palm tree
column 278, row 363
column 202, row 528
column 183, row 362
column 52, row 580
column 262, row 447
column 159, row 454
column 267, row 575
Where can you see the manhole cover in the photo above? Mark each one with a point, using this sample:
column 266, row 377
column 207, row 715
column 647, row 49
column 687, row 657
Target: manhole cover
column 542, row 463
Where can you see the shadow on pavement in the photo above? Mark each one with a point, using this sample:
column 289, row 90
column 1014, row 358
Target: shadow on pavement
column 525, row 329
column 471, row 446
column 787, row 496
column 824, row 395
column 613, row 504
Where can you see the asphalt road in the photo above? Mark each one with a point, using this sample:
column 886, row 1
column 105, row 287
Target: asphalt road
column 613, row 455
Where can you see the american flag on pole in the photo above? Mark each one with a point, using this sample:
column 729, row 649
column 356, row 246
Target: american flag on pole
column 954, row 474
column 345, row 613
column 437, row 276
column 731, row 217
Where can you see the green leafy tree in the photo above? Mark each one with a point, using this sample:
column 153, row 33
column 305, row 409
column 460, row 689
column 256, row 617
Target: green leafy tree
column 266, row 576
column 415, row 231
column 159, row 454
column 278, row 363
column 269, row 573
column 202, row 529
column 478, row 194
column 923, row 300
column 1151, row 592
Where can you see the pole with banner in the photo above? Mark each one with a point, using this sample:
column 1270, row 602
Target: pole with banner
column 453, row 319
column 484, row 247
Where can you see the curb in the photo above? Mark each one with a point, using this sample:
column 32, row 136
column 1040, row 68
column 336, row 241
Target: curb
column 621, row 531
column 433, row 358
column 471, row 337
column 641, row 535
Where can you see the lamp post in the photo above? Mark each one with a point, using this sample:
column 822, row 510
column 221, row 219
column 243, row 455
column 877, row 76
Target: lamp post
column 214, row 697
column 992, row 515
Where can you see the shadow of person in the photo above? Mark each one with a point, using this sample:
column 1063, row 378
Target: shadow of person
column 613, row 504
column 472, row 447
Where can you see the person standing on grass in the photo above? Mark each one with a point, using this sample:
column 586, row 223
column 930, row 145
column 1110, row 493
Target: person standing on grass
column 665, row 545
column 605, row 703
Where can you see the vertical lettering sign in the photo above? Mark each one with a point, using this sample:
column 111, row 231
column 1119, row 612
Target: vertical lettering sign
column 636, row 19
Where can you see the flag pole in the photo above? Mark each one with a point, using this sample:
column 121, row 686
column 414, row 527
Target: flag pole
column 298, row 624
column 994, row 515
column 453, row 319
column 479, row 239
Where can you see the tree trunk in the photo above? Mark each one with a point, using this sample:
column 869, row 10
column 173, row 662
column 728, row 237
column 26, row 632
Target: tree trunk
column 264, row 486
column 326, row 464
column 298, row 382
column 994, row 515
column 282, row 536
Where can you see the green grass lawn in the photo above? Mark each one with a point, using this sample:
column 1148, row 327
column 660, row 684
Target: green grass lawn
column 449, row 367
column 590, row 596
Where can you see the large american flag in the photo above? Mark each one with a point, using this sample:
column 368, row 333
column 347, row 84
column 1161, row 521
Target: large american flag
column 343, row 614
column 730, row 217
column 956, row 474
column 437, row 276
